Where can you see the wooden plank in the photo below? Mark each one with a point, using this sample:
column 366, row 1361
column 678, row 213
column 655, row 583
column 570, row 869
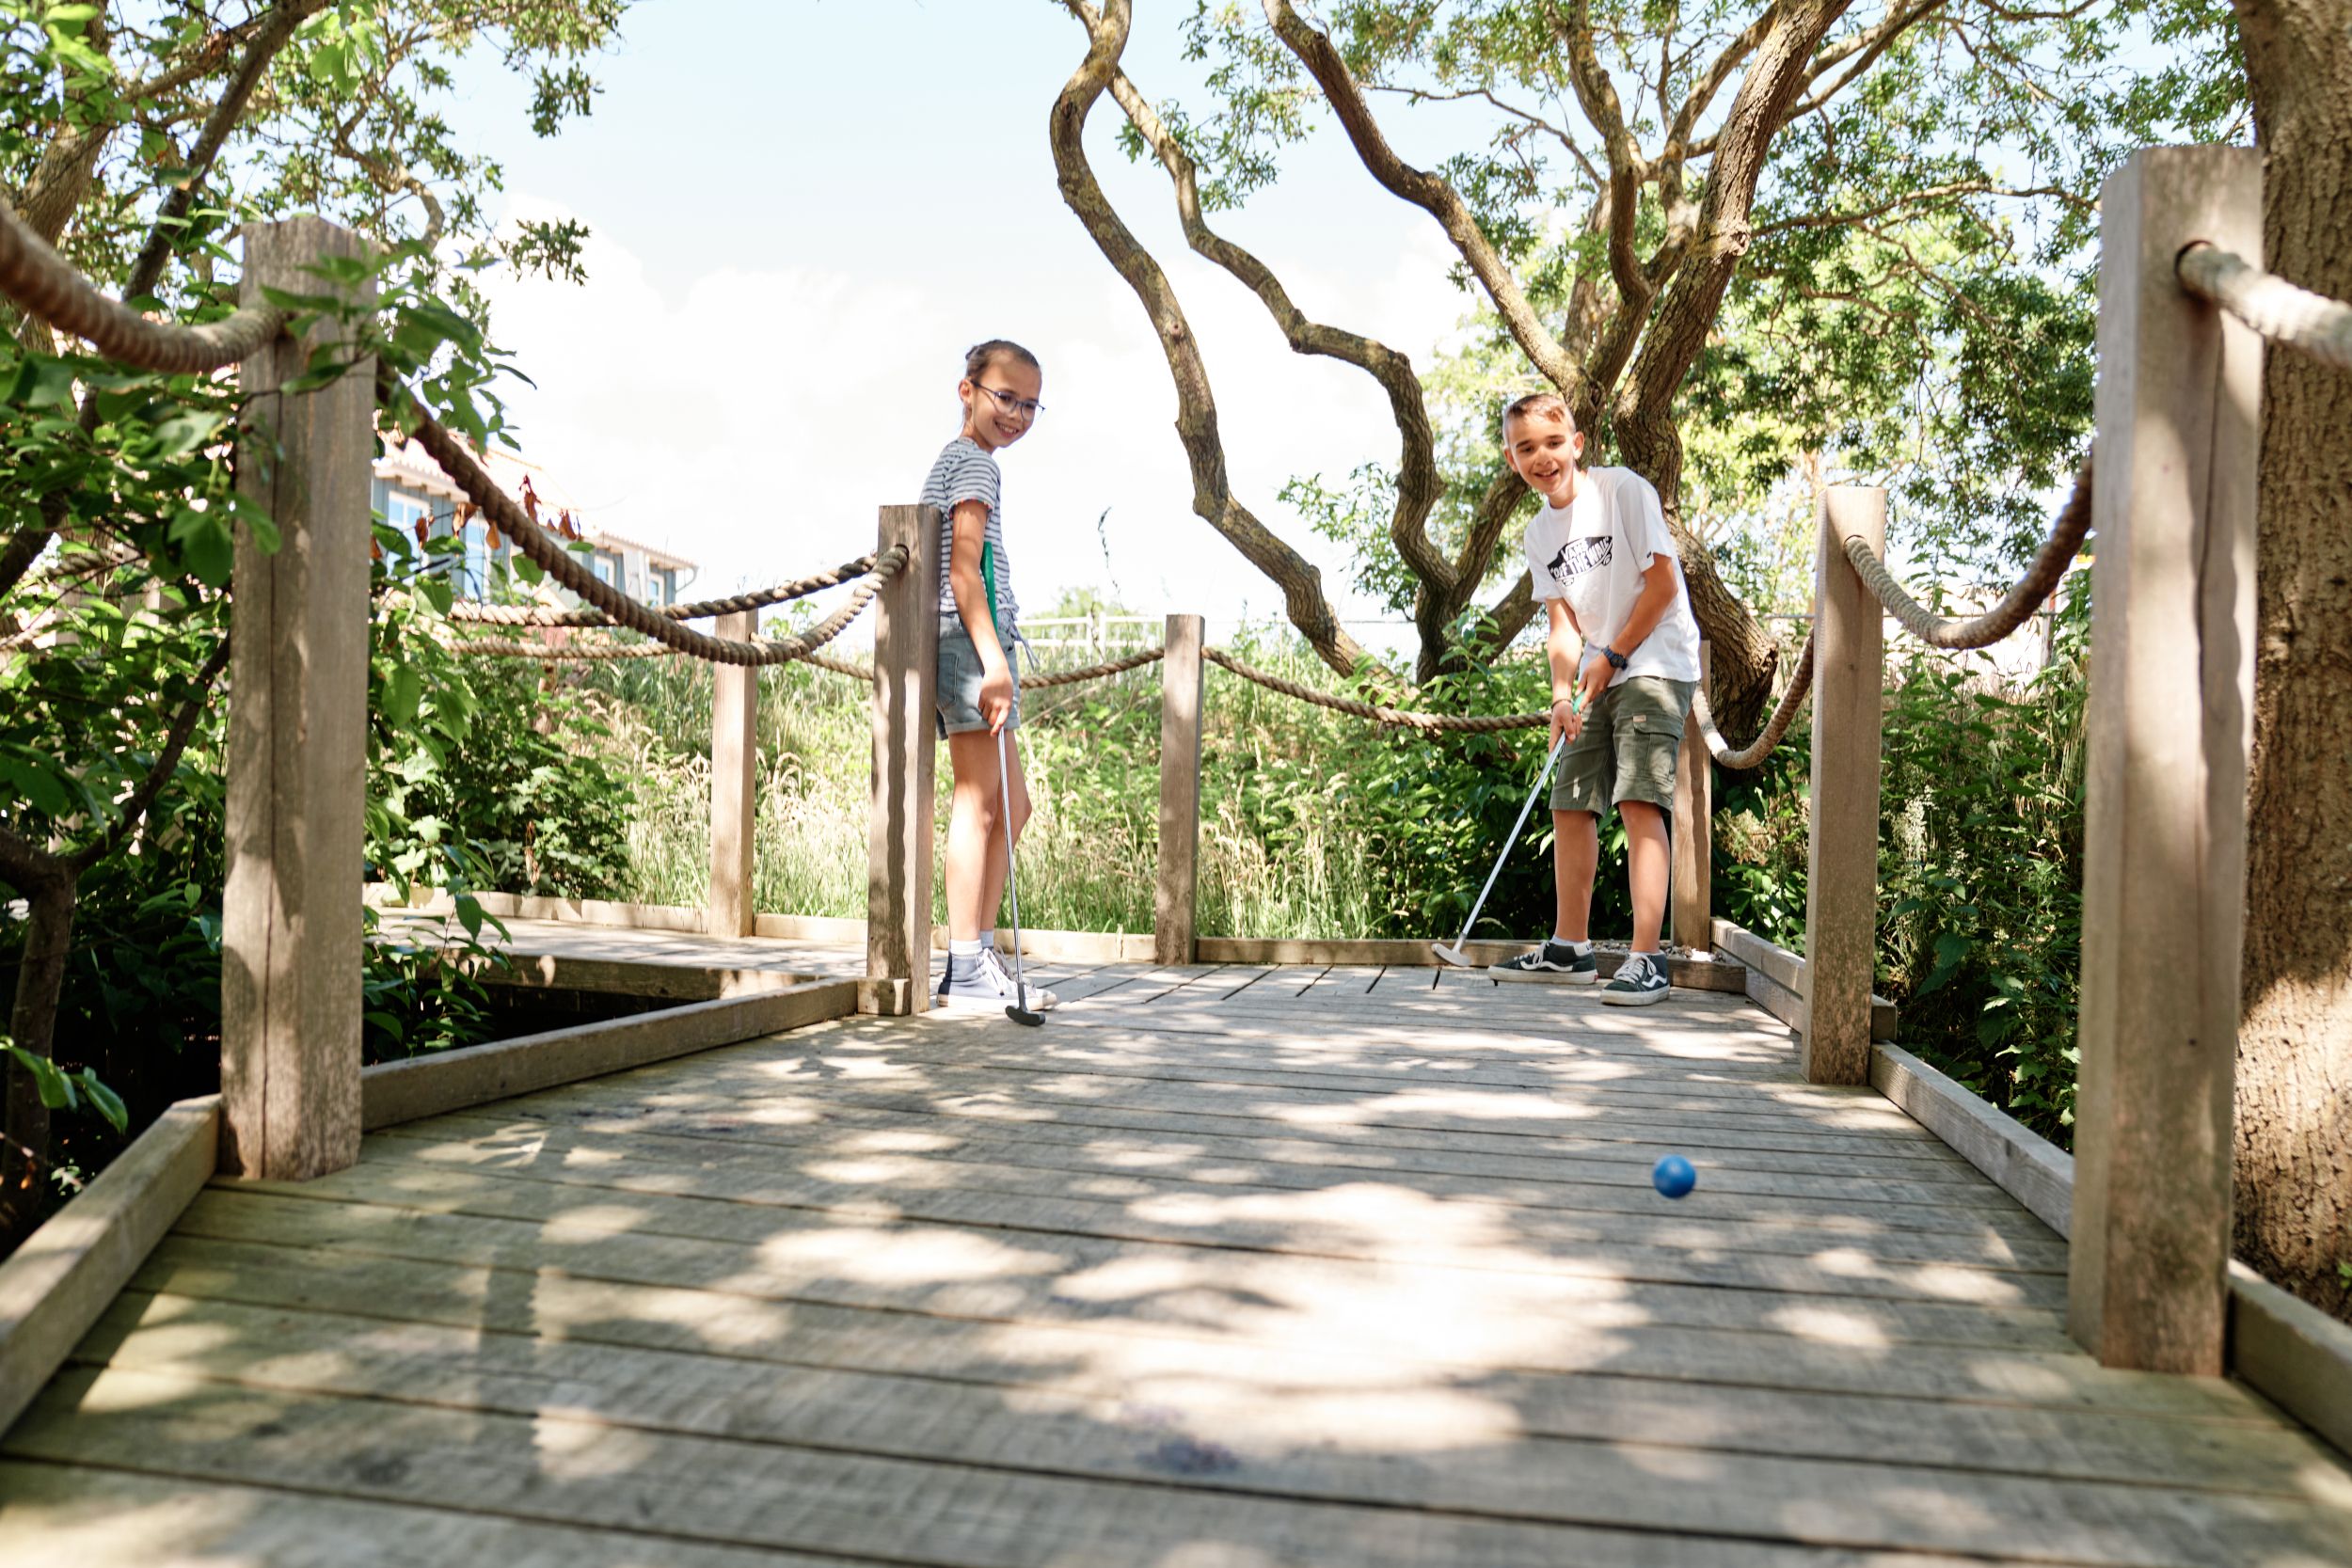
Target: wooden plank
column 1842, row 845
column 1016, row 1271
column 734, row 782
column 2164, row 813
column 61, row 1277
column 72, row 1516
column 1175, row 893
column 1323, row 1222
column 297, row 742
column 620, row 977
column 1642, row 1341
column 1114, row 1487
column 1060, row 1423
column 906, row 678
column 1385, row 952
column 423, row 1085
column 1692, row 878
column 1024, row 1234
column 864, row 1138
column 2293, row 1353
column 2033, row 1170
column 1783, row 996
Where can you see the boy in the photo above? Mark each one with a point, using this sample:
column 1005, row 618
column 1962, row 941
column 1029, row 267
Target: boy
column 1621, row 639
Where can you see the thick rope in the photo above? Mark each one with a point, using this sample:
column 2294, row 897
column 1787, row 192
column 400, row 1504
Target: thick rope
column 758, row 598
column 773, row 650
column 48, row 286
column 1736, row 758
column 1092, row 672
column 570, row 572
column 2017, row 606
column 1394, row 718
column 2308, row 323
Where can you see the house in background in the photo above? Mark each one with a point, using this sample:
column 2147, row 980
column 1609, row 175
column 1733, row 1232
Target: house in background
column 410, row 486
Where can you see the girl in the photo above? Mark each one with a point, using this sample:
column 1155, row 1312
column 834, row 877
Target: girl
column 979, row 694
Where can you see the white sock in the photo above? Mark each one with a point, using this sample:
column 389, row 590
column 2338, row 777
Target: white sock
column 963, row 948
column 988, row 940
column 1579, row 948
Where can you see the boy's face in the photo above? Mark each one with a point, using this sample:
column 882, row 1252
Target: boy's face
column 1543, row 450
column 985, row 396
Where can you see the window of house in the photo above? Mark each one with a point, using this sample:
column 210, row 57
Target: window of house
column 656, row 588
column 604, row 569
column 402, row 510
column 475, row 576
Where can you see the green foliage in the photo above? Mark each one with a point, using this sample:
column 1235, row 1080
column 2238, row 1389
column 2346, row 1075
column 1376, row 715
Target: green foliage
column 61, row 1090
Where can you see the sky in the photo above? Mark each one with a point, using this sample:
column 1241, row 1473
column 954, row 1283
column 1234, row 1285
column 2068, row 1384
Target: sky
column 803, row 212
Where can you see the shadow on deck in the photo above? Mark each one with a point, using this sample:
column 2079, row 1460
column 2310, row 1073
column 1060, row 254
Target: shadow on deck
column 1223, row 1266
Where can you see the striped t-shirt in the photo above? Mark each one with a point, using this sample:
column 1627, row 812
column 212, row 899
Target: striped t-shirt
column 966, row 472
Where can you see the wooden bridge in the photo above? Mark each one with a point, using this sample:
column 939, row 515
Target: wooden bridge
column 1257, row 1253
column 1228, row 1264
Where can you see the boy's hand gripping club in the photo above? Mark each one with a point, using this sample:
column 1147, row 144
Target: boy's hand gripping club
column 1455, row 954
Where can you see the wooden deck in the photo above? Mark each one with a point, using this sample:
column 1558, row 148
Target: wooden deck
column 1222, row 1268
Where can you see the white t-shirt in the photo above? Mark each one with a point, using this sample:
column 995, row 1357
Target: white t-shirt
column 1593, row 553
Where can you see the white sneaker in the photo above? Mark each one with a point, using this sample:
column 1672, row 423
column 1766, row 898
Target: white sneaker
column 983, row 981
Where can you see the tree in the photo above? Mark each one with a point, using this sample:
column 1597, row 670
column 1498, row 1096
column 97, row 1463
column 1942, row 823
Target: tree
column 1792, row 214
column 133, row 138
column 2295, row 1040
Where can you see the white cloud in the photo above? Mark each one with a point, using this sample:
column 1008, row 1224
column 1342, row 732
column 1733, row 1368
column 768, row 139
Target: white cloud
column 757, row 421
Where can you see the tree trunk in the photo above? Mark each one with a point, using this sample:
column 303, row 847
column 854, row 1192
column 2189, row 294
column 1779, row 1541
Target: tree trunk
column 2295, row 1042
column 33, row 1025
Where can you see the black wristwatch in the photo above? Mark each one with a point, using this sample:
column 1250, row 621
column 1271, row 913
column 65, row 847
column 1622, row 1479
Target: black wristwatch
column 1616, row 659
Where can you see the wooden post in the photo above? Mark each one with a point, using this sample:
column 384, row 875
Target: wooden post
column 1693, row 868
column 906, row 680
column 1842, row 861
column 1173, row 901
column 2172, row 638
column 297, row 736
column 734, row 759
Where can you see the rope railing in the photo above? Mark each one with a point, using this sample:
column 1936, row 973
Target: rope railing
column 1470, row 723
column 570, row 572
column 1784, row 713
column 735, row 603
column 1034, row 682
column 48, row 286
column 2017, row 606
column 2279, row 310
column 773, row 650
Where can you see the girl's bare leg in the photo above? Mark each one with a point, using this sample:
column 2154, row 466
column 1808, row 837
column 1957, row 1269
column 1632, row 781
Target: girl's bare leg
column 976, row 869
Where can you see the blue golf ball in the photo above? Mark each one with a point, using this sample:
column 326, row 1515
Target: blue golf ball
column 1673, row 1176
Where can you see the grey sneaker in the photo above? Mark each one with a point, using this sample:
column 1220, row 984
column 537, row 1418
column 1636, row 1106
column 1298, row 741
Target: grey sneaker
column 983, row 981
column 1639, row 981
column 1555, row 958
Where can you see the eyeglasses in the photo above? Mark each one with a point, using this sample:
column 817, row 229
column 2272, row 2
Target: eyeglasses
column 1027, row 408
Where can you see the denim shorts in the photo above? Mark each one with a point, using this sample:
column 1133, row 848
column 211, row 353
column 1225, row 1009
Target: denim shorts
column 1628, row 748
column 960, row 677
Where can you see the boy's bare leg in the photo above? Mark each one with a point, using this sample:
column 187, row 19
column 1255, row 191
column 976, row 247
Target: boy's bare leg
column 1646, row 869
column 1574, row 856
column 977, row 868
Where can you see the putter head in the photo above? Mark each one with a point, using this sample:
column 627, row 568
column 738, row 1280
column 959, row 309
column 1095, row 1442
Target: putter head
column 1454, row 955
column 1023, row 1017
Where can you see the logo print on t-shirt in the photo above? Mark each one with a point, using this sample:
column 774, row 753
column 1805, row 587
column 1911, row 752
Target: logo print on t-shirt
column 1580, row 556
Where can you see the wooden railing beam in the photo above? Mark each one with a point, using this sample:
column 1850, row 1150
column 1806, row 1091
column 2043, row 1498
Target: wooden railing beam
column 906, row 680
column 734, row 784
column 1842, row 856
column 290, row 918
column 2169, row 726
column 1175, row 915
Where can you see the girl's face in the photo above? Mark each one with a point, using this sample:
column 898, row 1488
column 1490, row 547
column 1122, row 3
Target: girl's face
column 1001, row 404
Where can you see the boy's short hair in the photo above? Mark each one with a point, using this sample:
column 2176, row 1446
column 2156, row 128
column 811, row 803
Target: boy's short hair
column 1539, row 402
column 978, row 359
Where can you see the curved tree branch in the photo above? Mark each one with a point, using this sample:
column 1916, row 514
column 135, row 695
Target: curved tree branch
column 136, row 804
column 1196, row 416
column 1426, row 191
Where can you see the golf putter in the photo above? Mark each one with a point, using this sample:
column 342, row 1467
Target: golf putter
column 1455, row 954
column 1019, row 1012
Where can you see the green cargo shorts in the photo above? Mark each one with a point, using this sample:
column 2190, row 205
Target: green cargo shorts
column 1626, row 751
